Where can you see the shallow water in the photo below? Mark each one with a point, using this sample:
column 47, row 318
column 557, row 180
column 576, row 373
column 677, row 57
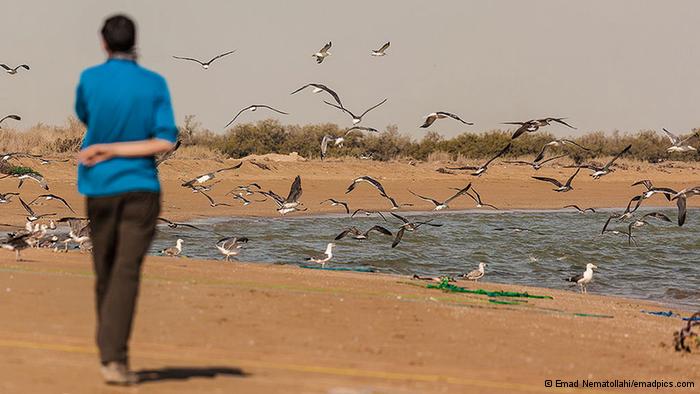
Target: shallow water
column 664, row 267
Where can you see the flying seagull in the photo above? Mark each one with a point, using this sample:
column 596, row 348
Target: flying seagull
column 205, row 65
column 444, row 204
column 253, row 108
column 375, row 183
column 381, row 51
column 213, row 203
column 536, row 164
column 165, row 156
column 173, row 251
column 6, row 197
column 356, row 119
column 533, row 125
column 13, row 71
column 357, row 234
column 367, row 213
column 651, row 189
column 230, row 246
column 560, row 187
column 34, row 177
column 478, row 171
column 32, row 215
column 477, row 198
column 576, row 207
column 677, row 142
column 323, row 53
column 14, row 117
column 318, row 88
column 172, row 224
column 409, row 226
column 681, row 202
column 337, row 141
column 48, row 197
column 606, row 168
column 394, row 204
column 432, row 117
column 641, row 222
column 209, row 176
column 558, row 143
column 583, row 279
column 476, row 274
column 291, row 203
column 335, row 203
column 360, row 128
column 325, row 257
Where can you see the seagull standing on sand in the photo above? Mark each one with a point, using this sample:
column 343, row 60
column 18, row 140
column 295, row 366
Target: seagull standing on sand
column 476, row 274
column 560, row 187
column 253, row 108
column 14, row 117
column 13, row 71
column 230, row 246
column 17, row 243
column 318, row 88
column 335, row 203
column 324, row 258
column 173, row 251
column 583, row 279
column 355, row 118
column 480, row 170
column 678, row 144
column 432, row 117
column 381, row 51
column 205, row 65
column 322, row 53
column 444, row 204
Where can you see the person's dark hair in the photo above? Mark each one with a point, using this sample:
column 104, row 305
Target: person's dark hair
column 119, row 33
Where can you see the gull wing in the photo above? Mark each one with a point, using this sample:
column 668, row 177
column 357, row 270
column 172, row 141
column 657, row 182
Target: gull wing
column 550, row 180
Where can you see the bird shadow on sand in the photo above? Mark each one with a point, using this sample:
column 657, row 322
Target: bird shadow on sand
column 186, row 373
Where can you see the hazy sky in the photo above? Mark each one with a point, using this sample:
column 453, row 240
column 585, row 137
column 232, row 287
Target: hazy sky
column 606, row 65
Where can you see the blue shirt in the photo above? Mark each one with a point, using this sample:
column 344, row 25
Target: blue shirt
column 120, row 101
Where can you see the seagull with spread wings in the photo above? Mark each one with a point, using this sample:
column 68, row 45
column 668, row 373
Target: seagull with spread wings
column 209, row 176
column 477, row 199
column 32, row 217
column 536, row 164
column 205, row 65
column 318, row 88
column 230, row 246
column 33, row 176
column 678, row 144
column 174, row 225
column 440, row 205
column 480, row 170
column 381, row 51
column 359, row 235
column 213, row 203
column 322, row 53
column 355, row 118
column 561, row 187
column 11, row 116
column 49, row 197
column 13, row 71
column 605, row 170
column 432, row 117
column 409, row 226
column 253, row 108
column 335, row 203
column 558, row 143
column 533, row 125
column 579, row 209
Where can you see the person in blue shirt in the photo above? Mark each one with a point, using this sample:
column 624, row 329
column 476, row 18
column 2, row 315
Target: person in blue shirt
column 129, row 119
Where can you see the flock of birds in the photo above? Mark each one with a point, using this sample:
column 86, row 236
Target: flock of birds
column 36, row 234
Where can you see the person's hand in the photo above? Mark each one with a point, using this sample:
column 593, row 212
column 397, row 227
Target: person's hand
column 94, row 154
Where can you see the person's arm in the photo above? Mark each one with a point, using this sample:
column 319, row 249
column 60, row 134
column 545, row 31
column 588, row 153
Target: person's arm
column 97, row 153
column 80, row 106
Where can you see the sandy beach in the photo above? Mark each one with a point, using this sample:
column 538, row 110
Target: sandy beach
column 280, row 329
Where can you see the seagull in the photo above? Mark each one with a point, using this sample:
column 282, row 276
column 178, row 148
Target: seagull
column 212, row 203
column 48, row 197
column 325, row 257
column 381, row 51
column 557, row 143
column 678, row 143
column 247, row 189
column 369, row 180
column 337, row 141
column 533, row 125
column 367, row 213
column 356, row 119
column 253, row 108
column 583, row 279
column 245, row 201
column 335, row 203
column 478, row 171
column 476, row 274
column 6, row 197
column 202, row 188
column 681, row 198
column 599, row 172
column 536, row 164
column 32, row 215
column 165, row 156
column 173, row 251
column 230, row 246
column 318, row 88
column 357, row 234
column 323, row 53
column 205, row 65
column 172, row 224
column 360, row 128
column 576, row 207
column 17, row 243
column 13, row 71
column 477, row 198
column 291, row 203
column 651, row 189
column 624, row 233
column 432, row 117
column 209, row 176
column 34, row 177
column 409, row 226
column 641, row 222
column 15, row 117
column 444, row 204
column 560, row 187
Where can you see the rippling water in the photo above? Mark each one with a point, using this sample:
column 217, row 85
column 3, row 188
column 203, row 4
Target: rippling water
column 664, row 267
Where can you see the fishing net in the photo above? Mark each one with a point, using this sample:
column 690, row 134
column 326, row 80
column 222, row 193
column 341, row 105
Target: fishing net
column 446, row 286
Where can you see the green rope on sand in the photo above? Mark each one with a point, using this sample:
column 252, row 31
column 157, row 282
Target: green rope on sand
column 499, row 302
column 316, row 267
column 446, row 286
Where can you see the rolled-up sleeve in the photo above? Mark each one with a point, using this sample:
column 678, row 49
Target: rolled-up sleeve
column 164, row 127
column 80, row 104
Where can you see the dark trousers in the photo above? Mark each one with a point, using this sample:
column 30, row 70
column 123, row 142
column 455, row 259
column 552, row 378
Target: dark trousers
column 121, row 231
